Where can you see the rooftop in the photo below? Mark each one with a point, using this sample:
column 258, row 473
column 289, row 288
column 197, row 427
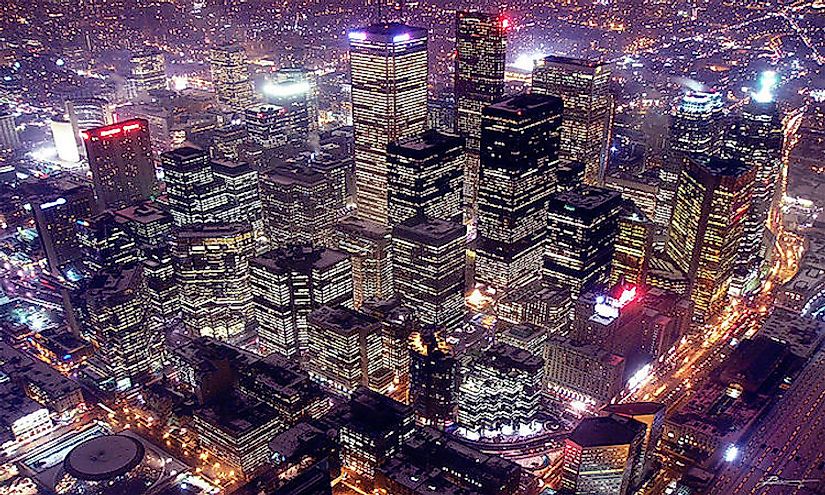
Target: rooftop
column 605, row 431
column 435, row 231
column 301, row 258
column 525, row 105
column 428, row 144
column 585, row 198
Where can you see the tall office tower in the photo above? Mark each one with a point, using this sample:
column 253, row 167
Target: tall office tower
column 398, row 323
column 9, row 139
column 227, row 141
column 299, row 205
column 120, row 158
column 389, row 103
column 433, row 379
column 695, row 128
column 295, row 89
column 243, row 199
column 500, row 390
column 106, row 243
column 633, row 246
column 212, row 270
column 642, row 189
column 519, row 157
column 345, row 349
column 584, row 86
column 369, row 245
column 756, row 140
column 56, row 208
column 650, row 414
column 194, row 194
column 601, row 455
column 271, row 126
column 147, row 72
column 127, row 345
column 582, row 225
column 428, row 258
column 708, row 223
column 481, row 49
column 87, row 113
column 230, row 75
column 287, row 284
column 424, row 177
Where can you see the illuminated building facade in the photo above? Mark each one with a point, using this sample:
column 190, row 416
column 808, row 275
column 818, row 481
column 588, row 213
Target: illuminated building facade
column 120, row 159
column 243, row 199
column 695, row 128
column 287, row 284
column 299, row 205
column 389, row 103
column 652, row 416
column 269, row 125
column 582, row 225
column 147, row 72
column 9, row 140
column 212, row 270
column 106, row 243
column 433, row 380
column 195, row 195
column 500, row 390
column 583, row 372
column 708, row 224
column 425, row 176
column 481, row 46
column 633, row 246
column 369, row 245
column 230, row 76
column 296, row 90
column 428, row 270
column 398, row 323
column 601, row 456
column 519, row 156
column 584, row 87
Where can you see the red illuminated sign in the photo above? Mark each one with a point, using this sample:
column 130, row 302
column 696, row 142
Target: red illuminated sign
column 112, row 130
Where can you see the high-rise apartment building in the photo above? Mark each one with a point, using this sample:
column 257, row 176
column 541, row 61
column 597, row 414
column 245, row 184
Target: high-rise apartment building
column 287, row 284
column 584, row 87
column 481, row 49
column 120, row 159
column 519, row 156
column 194, row 193
column 428, row 270
column 424, row 177
column 230, row 76
column 709, row 215
column 582, row 225
column 389, row 103
column 212, row 270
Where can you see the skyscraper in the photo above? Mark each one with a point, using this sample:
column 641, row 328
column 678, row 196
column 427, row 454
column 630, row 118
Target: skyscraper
column 194, row 194
column 581, row 232
column 147, row 72
column 212, row 270
column 270, row 125
column 708, row 223
column 120, row 158
column 519, row 157
column 433, row 379
column 424, row 177
column 481, row 49
column 389, row 103
column 369, row 245
column 695, row 129
column 230, row 75
column 287, row 284
column 296, row 89
column 633, row 246
column 584, row 87
column 243, row 199
column 428, row 270
column 756, row 139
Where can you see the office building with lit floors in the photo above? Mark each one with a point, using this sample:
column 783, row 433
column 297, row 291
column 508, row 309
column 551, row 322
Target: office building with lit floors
column 128, row 346
column 480, row 53
column 195, row 195
column 372, row 429
column 120, row 159
column 428, row 270
column 369, row 245
column 584, row 87
column 230, row 75
column 398, row 323
column 287, row 284
column 709, row 216
column 147, row 72
column 57, row 207
column 601, row 456
column 105, row 243
column 583, row 373
column 243, row 199
column 695, row 129
column 433, row 379
column 519, row 157
column 345, row 350
column 425, row 176
column 269, row 126
column 211, row 263
column 500, row 391
column 756, row 138
column 582, row 225
column 633, row 246
column 388, row 68
column 652, row 416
